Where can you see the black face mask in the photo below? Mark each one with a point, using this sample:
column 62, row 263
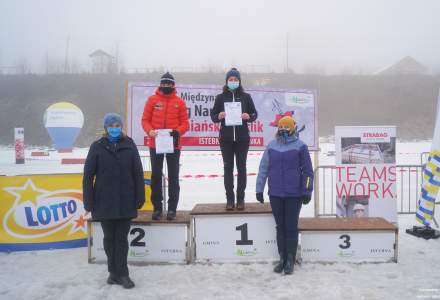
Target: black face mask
column 284, row 133
column 166, row 90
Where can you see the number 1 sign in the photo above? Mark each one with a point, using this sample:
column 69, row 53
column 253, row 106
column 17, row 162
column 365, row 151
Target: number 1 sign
column 240, row 237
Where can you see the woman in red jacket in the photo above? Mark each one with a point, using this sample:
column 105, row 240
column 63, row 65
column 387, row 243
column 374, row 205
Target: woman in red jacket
column 165, row 110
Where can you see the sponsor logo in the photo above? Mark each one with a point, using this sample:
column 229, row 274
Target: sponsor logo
column 210, row 243
column 345, row 253
column 375, row 134
column 40, row 213
column 158, row 106
column 375, row 137
column 138, row 253
column 171, row 251
column 299, row 99
column 311, row 250
column 243, row 252
column 381, row 250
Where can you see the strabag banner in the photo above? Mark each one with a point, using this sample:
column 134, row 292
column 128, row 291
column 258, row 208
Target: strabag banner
column 40, row 212
column 366, row 172
column 271, row 105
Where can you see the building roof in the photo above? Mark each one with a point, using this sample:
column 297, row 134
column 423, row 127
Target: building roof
column 99, row 52
column 406, row 65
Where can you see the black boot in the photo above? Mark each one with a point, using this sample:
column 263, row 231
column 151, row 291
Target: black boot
column 280, row 265
column 290, row 261
column 171, row 215
column 230, row 204
column 112, row 279
column 240, row 204
column 126, row 282
column 291, row 247
column 157, row 215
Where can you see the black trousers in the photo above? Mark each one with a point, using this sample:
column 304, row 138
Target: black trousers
column 239, row 150
column 173, row 160
column 116, row 245
column 286, row 213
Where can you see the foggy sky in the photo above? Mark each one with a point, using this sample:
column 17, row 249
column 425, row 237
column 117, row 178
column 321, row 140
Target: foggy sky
column 331, row 36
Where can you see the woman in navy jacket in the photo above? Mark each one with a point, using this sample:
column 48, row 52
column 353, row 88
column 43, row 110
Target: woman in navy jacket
column 234, row 140
column 287, row 166
column 113, row 191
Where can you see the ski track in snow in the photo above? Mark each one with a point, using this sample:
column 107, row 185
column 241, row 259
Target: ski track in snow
column 65, row 274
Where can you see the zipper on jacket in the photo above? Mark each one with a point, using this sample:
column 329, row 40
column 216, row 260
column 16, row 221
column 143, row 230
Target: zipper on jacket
column 165, row 116
column 233, row 126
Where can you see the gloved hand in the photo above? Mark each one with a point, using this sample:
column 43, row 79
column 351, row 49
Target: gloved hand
column 260, row 197
column 306, row 199
column 175, row 134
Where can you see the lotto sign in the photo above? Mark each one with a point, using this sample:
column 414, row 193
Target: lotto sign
column 41, row 212
column 348, row 246
column 247, row 237
column 147, row 243
column 271, row 105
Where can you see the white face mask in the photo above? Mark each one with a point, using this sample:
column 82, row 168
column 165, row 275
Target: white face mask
column 233, row 85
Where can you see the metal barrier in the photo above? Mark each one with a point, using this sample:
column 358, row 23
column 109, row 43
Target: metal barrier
column 408, row 179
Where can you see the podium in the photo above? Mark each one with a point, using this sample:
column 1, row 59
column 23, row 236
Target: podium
column 233, row 236
column 210, row 233
column 150, row 241
column 348, row 239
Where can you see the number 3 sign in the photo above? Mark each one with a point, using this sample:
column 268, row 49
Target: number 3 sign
column 348, row 246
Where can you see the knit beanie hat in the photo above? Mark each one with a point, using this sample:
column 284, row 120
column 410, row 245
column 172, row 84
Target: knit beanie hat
column 167, row 78
column 111, row 118
column 287, row 121
column 233, row 72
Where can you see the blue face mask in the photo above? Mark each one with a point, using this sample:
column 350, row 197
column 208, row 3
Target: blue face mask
column 283, row 135
column 233, row 85
column 114, row 132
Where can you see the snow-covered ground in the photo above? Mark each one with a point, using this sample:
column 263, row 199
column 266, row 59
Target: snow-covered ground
column 65, row 274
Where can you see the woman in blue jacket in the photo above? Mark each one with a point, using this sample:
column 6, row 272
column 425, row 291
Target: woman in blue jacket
column 287, row 166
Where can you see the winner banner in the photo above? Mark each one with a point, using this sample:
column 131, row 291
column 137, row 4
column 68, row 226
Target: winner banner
column 271, row 105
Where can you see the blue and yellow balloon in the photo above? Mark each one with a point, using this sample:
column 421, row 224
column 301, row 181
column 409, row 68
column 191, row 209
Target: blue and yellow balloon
column 63, row 121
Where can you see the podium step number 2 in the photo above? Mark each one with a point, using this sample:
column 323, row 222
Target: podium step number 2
column 148, row 242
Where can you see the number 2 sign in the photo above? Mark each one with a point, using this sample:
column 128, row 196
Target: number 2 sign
column 146, row 243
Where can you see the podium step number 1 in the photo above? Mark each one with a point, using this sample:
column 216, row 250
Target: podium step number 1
column 221, row 236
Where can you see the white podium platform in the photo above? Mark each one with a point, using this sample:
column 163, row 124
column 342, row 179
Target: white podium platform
column 209, row 233
column 149, row 241
column 233, row 236
column 348, row 240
